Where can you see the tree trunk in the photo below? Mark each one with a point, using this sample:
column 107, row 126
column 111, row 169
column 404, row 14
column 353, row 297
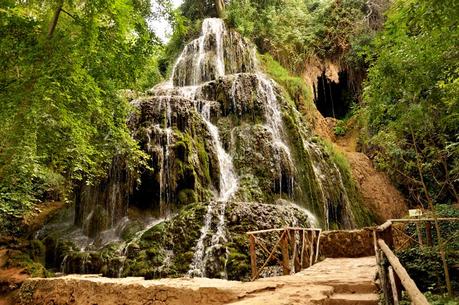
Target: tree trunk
column 441, row 245
column 220, row 6
column 53, row 23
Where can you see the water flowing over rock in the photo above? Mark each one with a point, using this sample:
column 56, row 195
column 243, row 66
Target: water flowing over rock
column 227, row 153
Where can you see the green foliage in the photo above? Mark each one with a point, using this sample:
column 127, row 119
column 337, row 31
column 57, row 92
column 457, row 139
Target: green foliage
column 340, row 128
column 424, row 264
column 433, row 299
column 294, row 85
column 411, row 96
column 198, row 9
column 295, row 31
column 448, row 229
column 62, row 117
column 185, row 28
column 436, row 299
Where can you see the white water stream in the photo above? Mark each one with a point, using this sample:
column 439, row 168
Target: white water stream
column 205, row 58
column 212, row 28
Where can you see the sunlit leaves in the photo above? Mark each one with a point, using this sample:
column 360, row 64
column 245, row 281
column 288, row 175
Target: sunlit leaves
column 62, row 117
column 412, row 97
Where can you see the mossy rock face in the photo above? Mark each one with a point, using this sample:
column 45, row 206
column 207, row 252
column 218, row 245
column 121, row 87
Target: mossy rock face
column 237, row 56
column 130, row 229
column 182, row 158
column 275, row 157
column 272, row 159
column 27, row 257
column 168, row 248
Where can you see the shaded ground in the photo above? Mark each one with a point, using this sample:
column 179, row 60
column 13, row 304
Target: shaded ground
column 332, row 282
column 10, row 279
column 12, row 275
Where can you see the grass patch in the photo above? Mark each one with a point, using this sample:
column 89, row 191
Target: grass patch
column 294, row 85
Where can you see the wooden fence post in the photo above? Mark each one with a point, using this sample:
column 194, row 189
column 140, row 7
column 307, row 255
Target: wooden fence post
column 429, row 233
column 311, row 249
column 393, row 286
column 296, row 260
column 285, row 257
column 410, row 286
column 418, row 232
column 381, row 271
column 302, row 249
column 253, row 255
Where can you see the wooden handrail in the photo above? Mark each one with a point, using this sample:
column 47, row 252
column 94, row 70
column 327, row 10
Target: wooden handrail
column 286, row 241
column 390, row 222
column 412, row 290
column 384, row 226
column 282, row 229
column 424, row 219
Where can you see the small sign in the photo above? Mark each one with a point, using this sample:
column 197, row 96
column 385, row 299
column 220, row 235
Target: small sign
column 415, row 212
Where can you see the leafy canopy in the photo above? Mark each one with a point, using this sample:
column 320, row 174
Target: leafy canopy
column 411, row 97
column 62, row 116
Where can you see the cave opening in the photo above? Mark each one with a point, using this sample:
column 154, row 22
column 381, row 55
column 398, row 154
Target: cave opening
column 334, row 99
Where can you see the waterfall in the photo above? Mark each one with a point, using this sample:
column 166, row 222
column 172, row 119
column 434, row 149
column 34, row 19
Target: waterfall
column 197, row 64
column 228, row 180
column 228, row 186
column 275, row 124
column 217, row 106
column 194, row 64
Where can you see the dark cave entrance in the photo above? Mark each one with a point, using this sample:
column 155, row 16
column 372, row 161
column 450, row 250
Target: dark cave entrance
column 333, row 99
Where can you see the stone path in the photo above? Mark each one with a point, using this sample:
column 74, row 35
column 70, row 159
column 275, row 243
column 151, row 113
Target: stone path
column 338, row 281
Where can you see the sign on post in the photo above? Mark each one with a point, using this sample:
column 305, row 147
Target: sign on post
column 415, row 212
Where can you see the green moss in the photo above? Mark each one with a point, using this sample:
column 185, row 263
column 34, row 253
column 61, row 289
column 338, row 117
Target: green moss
column 131, row 229
column 187, row 196
column 362, row 215
column 23, row 260
column 308, row 191
column 38, row 251
column 204, row 160
column 237, row 265
column 295, row 86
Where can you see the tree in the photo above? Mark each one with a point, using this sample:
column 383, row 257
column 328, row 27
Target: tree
column 63, row 65
column 413, row 84
column 412, row 104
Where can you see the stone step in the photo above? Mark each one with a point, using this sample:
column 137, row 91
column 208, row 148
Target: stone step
column 352, row 288
column 353, row 299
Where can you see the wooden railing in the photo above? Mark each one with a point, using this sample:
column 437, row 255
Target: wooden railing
column 394, row 276
column 298, row 248
column 422, row 235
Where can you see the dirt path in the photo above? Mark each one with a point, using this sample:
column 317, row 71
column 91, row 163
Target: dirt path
column 377, row 190
column 334, row 281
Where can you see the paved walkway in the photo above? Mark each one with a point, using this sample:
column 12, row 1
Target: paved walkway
column 339, row 281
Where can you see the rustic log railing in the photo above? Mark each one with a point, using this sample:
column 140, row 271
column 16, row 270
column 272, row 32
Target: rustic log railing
column 395, row 276
column 302, row 243
column 422, row 236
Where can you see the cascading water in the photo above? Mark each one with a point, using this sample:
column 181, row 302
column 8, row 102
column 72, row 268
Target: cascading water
column 213, row 132
column 198, row 67
column 201, row 61
column 274, row 122
column 228, row 186
column 228, row 181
